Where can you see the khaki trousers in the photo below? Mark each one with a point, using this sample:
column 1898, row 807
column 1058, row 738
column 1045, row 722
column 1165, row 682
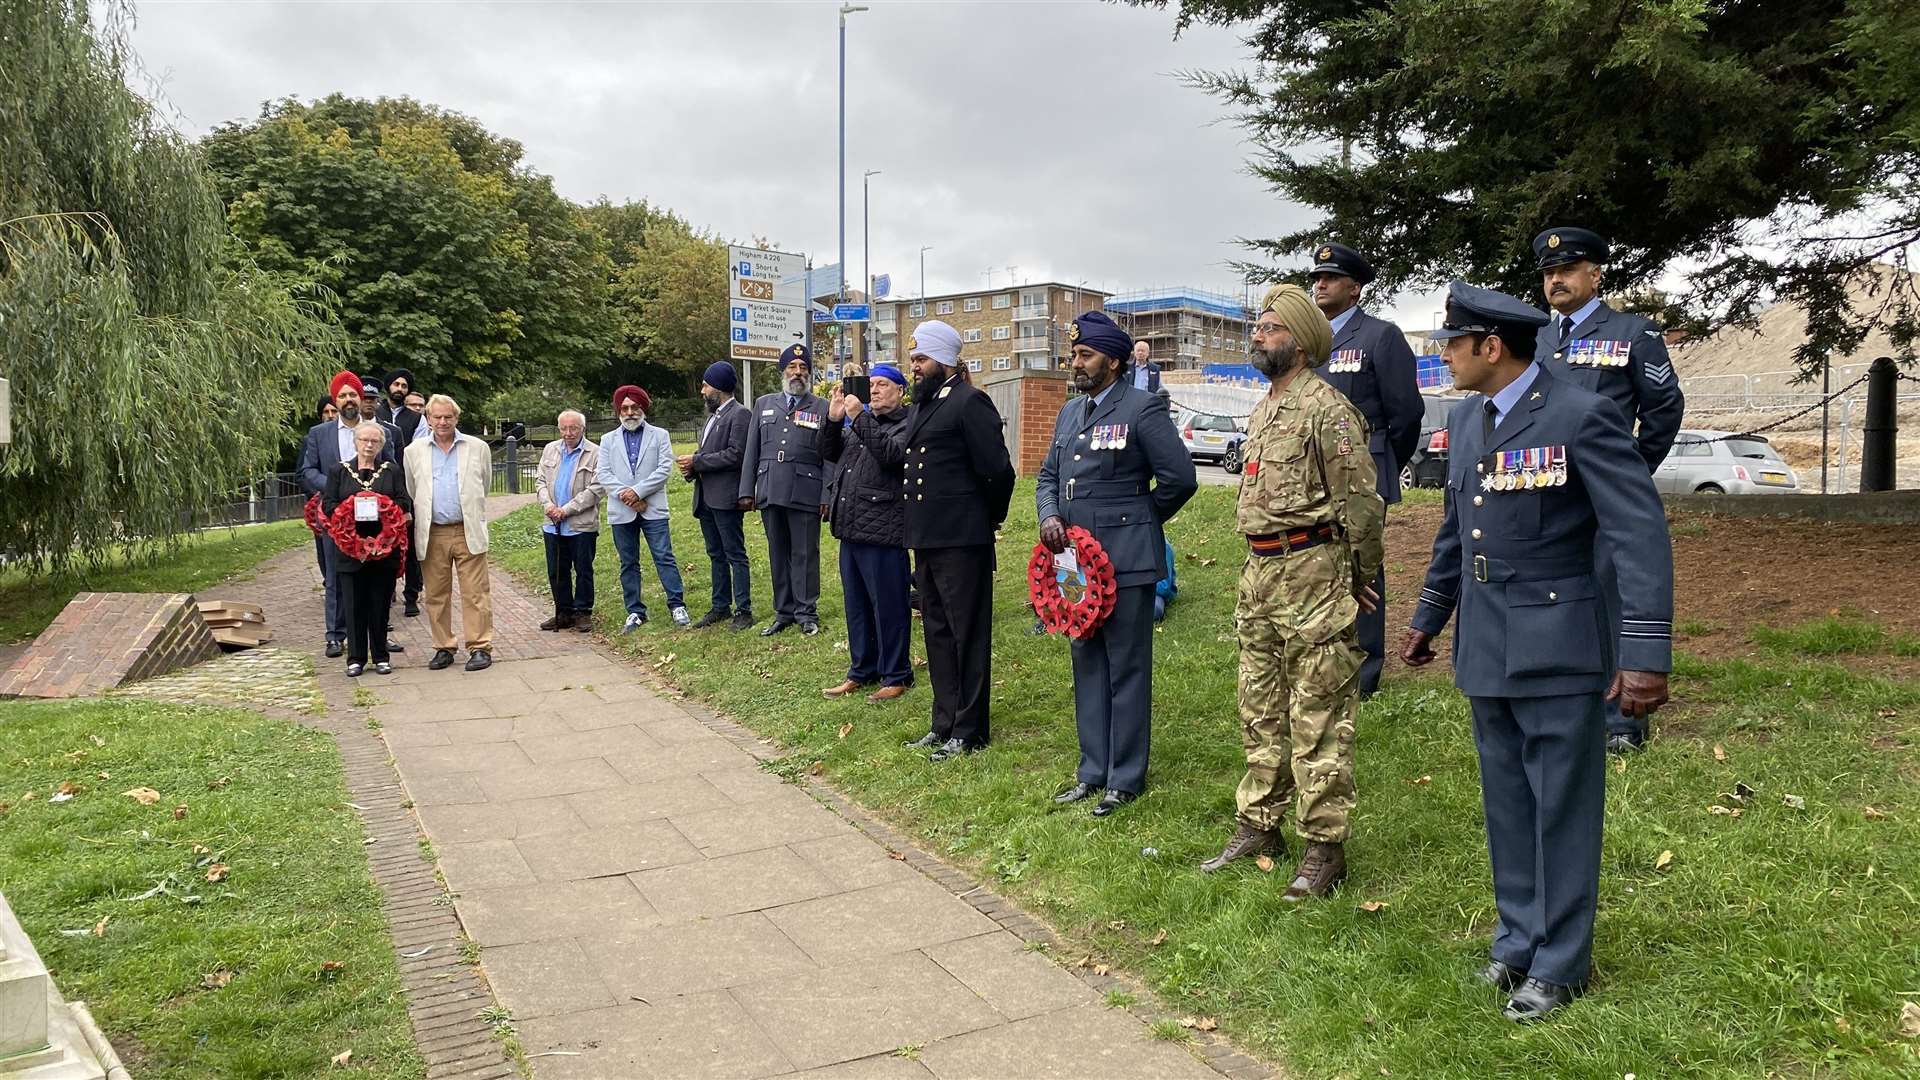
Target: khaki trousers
column 447, row 554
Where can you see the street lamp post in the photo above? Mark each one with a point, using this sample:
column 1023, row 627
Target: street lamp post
column 845, row 10
column 866, row 254
column 923, row 270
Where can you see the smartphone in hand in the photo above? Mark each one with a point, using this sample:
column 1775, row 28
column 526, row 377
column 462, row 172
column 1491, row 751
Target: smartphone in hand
column 860, row 386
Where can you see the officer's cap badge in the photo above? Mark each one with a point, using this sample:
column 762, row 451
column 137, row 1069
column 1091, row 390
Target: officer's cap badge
column 1553, row 241
column 912, row 343
column 1073, row 331
column 1326, row 253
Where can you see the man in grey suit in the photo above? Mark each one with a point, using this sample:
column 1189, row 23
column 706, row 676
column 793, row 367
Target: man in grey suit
column 1116, row 468
column 783, row 478
column 715, row 471
column 325, row 446
column 1541, row 472
column 1373, row 367
column 1622, row 357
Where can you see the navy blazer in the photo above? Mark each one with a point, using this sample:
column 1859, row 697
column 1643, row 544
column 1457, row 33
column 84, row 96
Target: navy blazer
column 320, row 452
column 716, row 464
column 1646, row 388
column 783, row 465
column 1518, row 564
column 1380, row 377
column 1120, row 490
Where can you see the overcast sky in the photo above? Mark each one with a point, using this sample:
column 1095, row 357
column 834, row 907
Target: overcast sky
column 1052, row 137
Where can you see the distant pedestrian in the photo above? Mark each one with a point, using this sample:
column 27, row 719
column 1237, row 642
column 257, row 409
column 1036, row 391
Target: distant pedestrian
column 367, row 587
column 1116, row 468
column 957, row 486
column 636, row 460
column 570, row 497
column 448, row 476
column 715, row 469
column 868, row 444
column 1144, row 374
column 782, row 478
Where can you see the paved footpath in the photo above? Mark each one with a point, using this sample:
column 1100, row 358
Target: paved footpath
column 649, row 902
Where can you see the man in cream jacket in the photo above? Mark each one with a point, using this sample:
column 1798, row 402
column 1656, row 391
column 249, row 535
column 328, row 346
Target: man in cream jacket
column 447, row 474
column 636, row 459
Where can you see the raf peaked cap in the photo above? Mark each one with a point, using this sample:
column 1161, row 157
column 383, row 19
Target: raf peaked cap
column 1557, row 247
column 1473, row 310
column 1332, row 258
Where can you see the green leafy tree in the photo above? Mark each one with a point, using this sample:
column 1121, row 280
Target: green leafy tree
column 671, row 300
column 1760, row 151
column 152, row 365
column 450, row 258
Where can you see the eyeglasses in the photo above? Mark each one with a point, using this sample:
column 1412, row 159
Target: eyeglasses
column 1268, row 328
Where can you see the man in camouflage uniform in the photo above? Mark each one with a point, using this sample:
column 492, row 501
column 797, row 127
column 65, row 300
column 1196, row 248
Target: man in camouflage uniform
column 1313, row 519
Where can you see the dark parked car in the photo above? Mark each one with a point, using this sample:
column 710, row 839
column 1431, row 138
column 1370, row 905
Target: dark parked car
column 1428, row 467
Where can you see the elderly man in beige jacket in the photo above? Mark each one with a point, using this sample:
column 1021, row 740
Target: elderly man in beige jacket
column 570, row 498
column 448, row 474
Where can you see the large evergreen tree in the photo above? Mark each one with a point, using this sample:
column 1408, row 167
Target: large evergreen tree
column 1760, row 150
column 152, row 366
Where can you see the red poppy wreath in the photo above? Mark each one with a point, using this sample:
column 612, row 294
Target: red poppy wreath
column 340, row 528
column 1076, row 616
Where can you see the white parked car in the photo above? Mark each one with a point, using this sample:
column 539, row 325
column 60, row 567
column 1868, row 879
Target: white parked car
column 1723, row 463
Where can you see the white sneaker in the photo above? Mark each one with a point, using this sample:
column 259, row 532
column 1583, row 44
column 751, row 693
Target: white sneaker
column 680, row 617
column 634, row 622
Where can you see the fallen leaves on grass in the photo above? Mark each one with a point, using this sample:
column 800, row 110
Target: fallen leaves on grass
column 1794, row 802
column 1200, row 1023
column 1422, row 781
column 145, row 796
column 1372, row 906
column 1726, row 811
column 1841, row 1025
column 1910, row 1019
column 331, row 969
column 846, row 729
column 816, row 768
column 1719, row 752
column 1159, row 938
column 97, row 740
column 1874, row 813
column 1664, row 862
column 100, row 928
column 897, row 856
column 214, row 980
column 180, row 812
column 217, row 872
column 1265, row 863
column 340, row 1059
column 216, row 785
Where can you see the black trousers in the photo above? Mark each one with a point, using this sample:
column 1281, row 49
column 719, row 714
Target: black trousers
column 793, row 561
column 1372, row 630
column 367, row 594
column 1113, row 694
column 1543, row 781
column 570, row 571
column 726, row 537
column 413, row 575
column 956, row 619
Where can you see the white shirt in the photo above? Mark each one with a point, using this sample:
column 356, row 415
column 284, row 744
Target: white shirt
column 346, row 441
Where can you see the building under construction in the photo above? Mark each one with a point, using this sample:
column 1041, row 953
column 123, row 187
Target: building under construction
column 1187, row 329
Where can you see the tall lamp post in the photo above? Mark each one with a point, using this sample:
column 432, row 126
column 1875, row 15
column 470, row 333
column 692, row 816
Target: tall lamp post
column 866, row 257
column 845, row 10
column 923, row 270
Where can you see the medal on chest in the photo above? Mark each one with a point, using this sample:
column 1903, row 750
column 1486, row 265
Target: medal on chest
column 1347, row 361
column 1585, row 352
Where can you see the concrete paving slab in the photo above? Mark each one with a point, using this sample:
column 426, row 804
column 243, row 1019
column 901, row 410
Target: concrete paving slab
column 690, row 957
column 887, row 1066
column 574, row 745
column 598, row 715
column 695, row 1037
column 415, row 735
column 446, row 760
column 854, row 861
column 443, row 790
column 634, row 803
column 851, row 926
column 746, row 783
column 618, row 849
column 467, row 822
column 600, row 909
column 727, row 886
column 547, row 978
column 1072, row 1044
column 483, row 864
column 1015, row 980
column 756, row 826
column 835, row 1015
column 667, row 762
column 553, row 778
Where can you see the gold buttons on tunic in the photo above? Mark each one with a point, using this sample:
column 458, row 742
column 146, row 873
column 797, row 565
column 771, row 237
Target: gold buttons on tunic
column 1476, row 534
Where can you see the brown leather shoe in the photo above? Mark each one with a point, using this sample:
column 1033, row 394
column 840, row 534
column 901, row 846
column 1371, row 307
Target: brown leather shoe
column 842, row 690
column 1248, row 841
column 887, row 693
column 1323, row 867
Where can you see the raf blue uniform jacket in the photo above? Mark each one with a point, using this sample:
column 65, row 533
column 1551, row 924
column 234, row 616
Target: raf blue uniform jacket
column 1378, row 374
column 782, row 465
column 1119, row 493
column 1517, row 565
column 1646, row 388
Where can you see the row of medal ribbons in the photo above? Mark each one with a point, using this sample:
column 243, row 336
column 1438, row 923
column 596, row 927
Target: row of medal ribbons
column 1587, row 353
column 1526, row 470
column 1346, row 361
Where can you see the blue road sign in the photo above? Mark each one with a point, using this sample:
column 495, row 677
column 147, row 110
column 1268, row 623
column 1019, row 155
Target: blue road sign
column 852, row 312
column 820, row 316
column 882, row 285
column 739, row 333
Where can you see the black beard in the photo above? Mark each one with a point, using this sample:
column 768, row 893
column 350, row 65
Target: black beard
column 349, row 413
column 714, row 400
column 1087, row 384
column 925, row 388
column 1277, row 362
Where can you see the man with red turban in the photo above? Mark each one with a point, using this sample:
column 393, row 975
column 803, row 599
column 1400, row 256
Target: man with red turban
column 636, row 459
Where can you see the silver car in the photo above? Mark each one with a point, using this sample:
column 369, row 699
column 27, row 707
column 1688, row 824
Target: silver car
column 1723, row 463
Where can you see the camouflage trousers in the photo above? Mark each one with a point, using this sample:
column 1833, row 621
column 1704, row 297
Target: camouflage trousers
column 1300, row 660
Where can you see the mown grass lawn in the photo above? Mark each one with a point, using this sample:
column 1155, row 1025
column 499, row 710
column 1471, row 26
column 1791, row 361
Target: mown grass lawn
column 1779, row 942
column 270, row 971
column 28, row 604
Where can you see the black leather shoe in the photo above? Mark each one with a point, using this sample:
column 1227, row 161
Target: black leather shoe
column 951, row 749
column 479, row 660
column 1536, row 1000
column 809, row 628
column 335, row 650
column 775, row 627
column 441, row 658
column 741, row 620
column 413, row 610
column 394, row 646
column 712, row 618
column 1113, row 800
column 1622, row 743
column 924, row 741
column 1075, row 793
column 1501, row 975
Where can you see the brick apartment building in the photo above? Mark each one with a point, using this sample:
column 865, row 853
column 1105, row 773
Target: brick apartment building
column 1000, row 329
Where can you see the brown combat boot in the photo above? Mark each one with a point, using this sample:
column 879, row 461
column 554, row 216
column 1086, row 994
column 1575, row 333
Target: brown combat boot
column 1248, row 841
column 1321, row 868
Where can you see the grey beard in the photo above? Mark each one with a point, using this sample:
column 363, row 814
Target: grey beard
column 349, row 414
column 796, row 387
column 1278, row 362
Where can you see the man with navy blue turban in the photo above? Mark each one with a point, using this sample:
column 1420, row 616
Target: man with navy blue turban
column 783, row 479
column 1116, row 468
